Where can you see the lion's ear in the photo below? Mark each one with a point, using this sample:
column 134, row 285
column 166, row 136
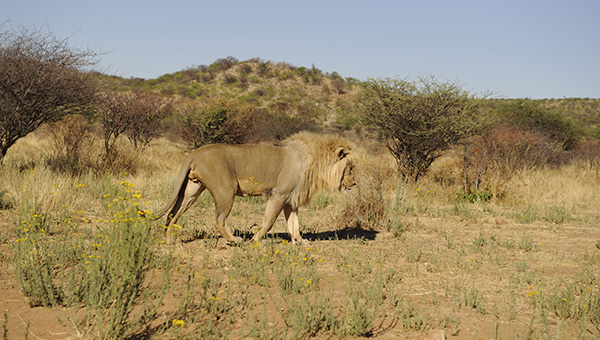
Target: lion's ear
column 340, row 153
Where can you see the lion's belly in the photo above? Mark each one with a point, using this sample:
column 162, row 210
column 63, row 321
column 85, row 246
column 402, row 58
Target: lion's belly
column 253, row 187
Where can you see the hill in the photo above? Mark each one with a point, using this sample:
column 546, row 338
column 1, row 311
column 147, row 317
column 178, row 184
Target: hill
column 306, row 92
column 585, row 112
column 281, row 87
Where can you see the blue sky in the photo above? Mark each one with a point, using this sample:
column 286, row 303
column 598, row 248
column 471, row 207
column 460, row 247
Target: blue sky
column 516, row 49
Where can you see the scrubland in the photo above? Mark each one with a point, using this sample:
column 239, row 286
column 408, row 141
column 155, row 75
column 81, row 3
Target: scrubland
column 82, row 257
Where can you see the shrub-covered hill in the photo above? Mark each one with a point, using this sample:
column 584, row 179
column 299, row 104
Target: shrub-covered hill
column 280, row 87
column 309, row 93
column 584, row 113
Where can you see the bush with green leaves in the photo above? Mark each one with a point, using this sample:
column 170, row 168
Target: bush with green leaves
column 530, row 115
column 418, row 119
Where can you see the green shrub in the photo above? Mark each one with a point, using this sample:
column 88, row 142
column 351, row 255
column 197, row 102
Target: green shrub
column 224, row 64
column 530, row 115
column 473, row 196
column 217, row 120
column 106, row 267
column 308, row 316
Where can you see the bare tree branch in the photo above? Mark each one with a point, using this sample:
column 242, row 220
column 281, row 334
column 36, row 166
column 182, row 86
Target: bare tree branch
column 42, row 78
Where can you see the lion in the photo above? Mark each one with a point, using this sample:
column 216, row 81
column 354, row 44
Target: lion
column 287, row 175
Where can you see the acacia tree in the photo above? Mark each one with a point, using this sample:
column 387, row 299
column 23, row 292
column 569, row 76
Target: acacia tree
column 418, row 119
column 41, row 79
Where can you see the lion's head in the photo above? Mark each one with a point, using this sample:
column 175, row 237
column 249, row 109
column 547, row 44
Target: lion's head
column 348, row 178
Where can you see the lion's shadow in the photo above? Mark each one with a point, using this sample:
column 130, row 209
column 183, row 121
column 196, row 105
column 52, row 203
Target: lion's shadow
column 332, row 235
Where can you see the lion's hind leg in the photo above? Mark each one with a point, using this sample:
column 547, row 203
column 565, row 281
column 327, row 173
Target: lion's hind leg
column 223, row 204
column 273, row 209
column 185, row 200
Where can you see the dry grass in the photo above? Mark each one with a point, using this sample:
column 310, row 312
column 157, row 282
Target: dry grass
column 525, row 264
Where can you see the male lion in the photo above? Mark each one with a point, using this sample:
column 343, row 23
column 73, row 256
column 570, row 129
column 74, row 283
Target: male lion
column 287, row 175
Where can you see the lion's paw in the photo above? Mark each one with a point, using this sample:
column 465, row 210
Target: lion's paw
column 236, row 241
column 301, row 242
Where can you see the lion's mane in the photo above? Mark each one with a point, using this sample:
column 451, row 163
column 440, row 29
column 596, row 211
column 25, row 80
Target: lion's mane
column 319, row 168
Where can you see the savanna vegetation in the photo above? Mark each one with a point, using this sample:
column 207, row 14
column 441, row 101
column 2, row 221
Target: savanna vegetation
column 481, row 222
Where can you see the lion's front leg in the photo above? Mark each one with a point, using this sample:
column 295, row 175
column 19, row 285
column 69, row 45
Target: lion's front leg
column 293, row 225
column 274, row 206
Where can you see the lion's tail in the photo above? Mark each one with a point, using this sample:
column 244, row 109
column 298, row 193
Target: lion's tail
column 179, row 185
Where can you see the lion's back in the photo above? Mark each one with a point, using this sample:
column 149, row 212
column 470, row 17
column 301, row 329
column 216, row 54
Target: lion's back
column 261, row 164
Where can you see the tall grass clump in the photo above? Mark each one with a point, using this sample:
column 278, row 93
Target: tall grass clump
column 106, row 265
column 309, row 315
column 367, row 207
column 4, row 200
column 372, row 206
column 71, row 145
